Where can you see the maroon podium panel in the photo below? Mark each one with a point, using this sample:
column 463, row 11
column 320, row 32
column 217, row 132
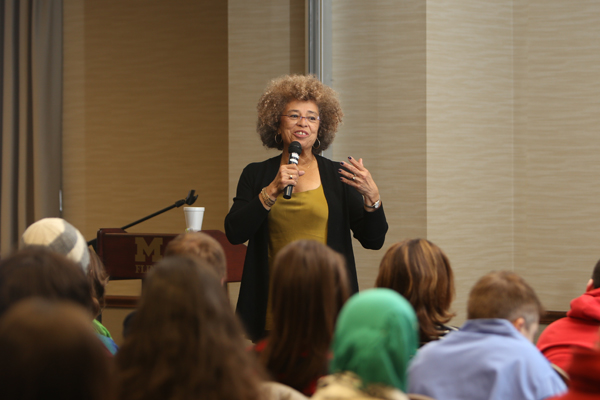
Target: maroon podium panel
column 132, row 255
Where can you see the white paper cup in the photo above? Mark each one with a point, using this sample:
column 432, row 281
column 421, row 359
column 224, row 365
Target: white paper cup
column 193, row 218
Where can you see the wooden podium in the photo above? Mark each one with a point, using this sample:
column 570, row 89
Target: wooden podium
column 132, row 255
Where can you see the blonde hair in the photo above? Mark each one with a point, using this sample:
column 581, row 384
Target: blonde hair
column 504, row 294
column 201, row 245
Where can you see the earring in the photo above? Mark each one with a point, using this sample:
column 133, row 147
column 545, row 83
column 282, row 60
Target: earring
column 276, row 136
column 319, row 145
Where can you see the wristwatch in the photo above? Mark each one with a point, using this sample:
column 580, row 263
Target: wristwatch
column 375, row 205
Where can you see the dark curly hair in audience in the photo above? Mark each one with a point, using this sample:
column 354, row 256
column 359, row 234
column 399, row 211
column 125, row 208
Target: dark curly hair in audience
column 49, row 351
column 421, row 272
column 288, row 88
column 185, row 341
column 309, row 288
column 98, row 278
column 36, row 271
column 596, row 275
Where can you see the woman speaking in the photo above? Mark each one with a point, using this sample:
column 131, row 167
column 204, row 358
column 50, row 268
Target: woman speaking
column 329, row 199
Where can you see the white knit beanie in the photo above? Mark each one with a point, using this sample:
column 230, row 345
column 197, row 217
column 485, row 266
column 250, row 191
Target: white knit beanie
column 61, row 237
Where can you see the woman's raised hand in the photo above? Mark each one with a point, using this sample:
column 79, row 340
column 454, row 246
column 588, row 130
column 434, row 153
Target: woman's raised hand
column 356, row 175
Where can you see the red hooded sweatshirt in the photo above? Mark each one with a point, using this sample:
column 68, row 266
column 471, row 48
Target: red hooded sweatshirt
column 579, row 328
column 585, row 376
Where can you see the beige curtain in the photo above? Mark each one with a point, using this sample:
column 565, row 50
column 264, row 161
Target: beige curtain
column 30, row 114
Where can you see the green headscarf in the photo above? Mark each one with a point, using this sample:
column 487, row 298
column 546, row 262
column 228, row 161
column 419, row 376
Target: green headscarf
column 376, row 335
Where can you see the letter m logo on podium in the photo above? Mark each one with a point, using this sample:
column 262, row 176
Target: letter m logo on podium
column 148, row 250
column 130, row 255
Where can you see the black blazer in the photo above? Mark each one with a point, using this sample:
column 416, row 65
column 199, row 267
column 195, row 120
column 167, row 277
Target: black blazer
column 247, row 221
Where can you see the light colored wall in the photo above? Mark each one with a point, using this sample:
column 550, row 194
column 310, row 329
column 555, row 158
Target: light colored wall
column 379, row 72
column 470, row 150
column 266, row 40
column 479, row 124
column 557, row 145
column 145, row 116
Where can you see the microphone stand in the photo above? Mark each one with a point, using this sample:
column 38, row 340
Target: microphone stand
column 189, row 200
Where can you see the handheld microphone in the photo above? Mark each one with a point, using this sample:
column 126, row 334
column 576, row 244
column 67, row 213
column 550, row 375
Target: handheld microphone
column 295, row 149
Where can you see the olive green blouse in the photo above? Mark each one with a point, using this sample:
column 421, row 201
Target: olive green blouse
column 304, row 216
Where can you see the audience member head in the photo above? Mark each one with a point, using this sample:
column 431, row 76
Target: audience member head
column 421, row 272
column 61, row 237
column 375, row 337
column 309, row 288
column 98, row 279
column 49, row 350
column 185, row 341
column 200, row 245
column 36, row 271
column 505, row 295
column 595, row 280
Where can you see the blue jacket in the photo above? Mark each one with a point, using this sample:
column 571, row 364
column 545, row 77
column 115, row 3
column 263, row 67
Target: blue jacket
column 487, row 359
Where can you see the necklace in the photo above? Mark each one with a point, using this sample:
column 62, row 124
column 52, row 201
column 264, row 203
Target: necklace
column 308, row 165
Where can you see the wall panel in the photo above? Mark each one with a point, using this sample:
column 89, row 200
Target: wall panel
column 146, row 112
column 266, row 40
column 145, row 115
column 379, row 73
column 558, row 91
column 470, row 137
column 480, row 124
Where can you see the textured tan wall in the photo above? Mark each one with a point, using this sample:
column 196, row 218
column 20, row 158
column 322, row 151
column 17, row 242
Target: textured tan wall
column 145, row 112
column 557, row 146
column 145, row 116
column 512, row 118
column 482, row 137
column 379, row 73
column 470, row 137
column 74, row 127
column 266, row 40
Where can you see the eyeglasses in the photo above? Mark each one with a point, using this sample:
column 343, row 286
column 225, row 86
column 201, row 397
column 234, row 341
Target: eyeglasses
column 311, row 119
